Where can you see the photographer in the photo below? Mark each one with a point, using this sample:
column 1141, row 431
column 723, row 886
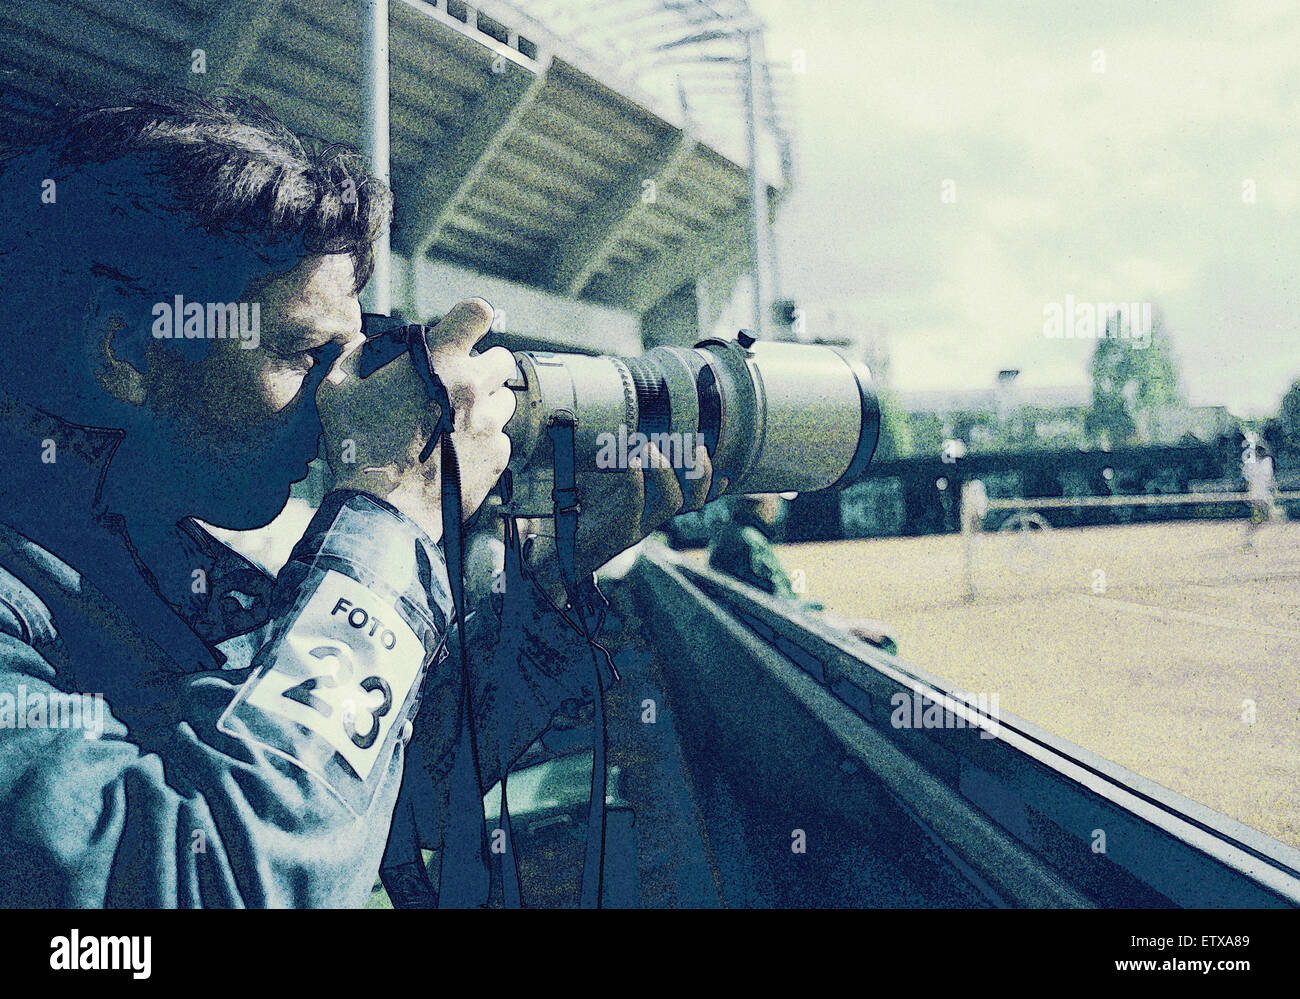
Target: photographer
column 743, row 549
column 255, row 732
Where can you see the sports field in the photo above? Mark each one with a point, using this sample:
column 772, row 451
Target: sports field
column 1170, row 649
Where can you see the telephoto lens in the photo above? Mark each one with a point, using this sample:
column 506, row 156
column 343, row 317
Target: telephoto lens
column 774, row 417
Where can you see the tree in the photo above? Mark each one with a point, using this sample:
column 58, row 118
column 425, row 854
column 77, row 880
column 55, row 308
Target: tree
column 926, row 433
column 1289, row 415
column 895, row 431
column 1131, row 374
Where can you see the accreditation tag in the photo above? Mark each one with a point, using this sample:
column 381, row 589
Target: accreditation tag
column 342, row 674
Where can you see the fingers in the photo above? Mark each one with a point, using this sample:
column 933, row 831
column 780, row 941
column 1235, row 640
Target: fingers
column 478, row 377
column 698, row 479
column 465, row 325
column 495, row 367
column 495, row 457
column 489, row 413
column 642, row 499
column 345, row 366
column 476, row 387
column 663, row 495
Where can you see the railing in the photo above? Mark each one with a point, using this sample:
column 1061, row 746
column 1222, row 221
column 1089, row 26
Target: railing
column 792, row 727
column 970, row 516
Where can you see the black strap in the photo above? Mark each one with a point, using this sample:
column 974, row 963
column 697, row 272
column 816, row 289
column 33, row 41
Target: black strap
column 511, row 892
column 465, row 879
column 564, row 498
column 454, row 543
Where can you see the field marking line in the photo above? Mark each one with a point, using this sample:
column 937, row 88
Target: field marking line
column 1192, row 616
column 1122, row 499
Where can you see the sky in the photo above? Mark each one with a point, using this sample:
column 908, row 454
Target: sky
column 1112, row 152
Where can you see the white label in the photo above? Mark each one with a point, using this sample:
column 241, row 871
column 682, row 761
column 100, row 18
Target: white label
column 343, row 671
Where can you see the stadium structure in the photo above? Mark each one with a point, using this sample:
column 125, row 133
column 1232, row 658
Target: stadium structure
column 606, row 175
column 585, row 168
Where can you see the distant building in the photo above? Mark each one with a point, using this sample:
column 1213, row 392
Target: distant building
column 1009, row 416
column 1176, row 424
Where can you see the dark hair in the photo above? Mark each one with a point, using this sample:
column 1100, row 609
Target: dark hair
column 164, row 192
column 237, row 168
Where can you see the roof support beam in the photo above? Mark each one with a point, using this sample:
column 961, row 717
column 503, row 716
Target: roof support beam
column 576, row 258
column 232, row 36
column 433, row 199
column 670, row 271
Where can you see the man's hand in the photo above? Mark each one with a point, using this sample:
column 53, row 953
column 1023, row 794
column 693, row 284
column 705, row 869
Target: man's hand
column 388, row 419
column 618, row 509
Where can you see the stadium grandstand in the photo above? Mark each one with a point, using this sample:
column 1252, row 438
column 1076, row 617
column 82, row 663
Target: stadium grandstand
column 607, row 176
column 585, row 168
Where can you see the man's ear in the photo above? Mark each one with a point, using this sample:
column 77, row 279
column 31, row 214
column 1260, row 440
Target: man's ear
column 115, row 376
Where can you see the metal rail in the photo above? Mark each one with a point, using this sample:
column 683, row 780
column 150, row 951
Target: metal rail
column 1158, row 499
column 1008, row 808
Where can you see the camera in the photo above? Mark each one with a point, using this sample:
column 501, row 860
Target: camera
column 773, row 416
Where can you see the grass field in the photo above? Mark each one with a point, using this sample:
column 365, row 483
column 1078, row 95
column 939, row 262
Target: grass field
column 1148, row 644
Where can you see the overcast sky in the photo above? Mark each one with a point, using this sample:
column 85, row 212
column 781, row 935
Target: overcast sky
column 1126, row 184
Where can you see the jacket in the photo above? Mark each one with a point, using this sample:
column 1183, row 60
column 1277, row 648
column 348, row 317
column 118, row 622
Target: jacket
column 243, row 744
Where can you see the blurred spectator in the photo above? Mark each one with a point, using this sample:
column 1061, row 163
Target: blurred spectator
column 743, row 550
column 975, row 503
column 1261, row 486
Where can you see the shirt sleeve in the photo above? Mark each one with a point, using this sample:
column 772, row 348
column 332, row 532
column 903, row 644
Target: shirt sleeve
column 269, row 785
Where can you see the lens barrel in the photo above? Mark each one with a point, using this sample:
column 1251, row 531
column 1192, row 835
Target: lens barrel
column 774, row 417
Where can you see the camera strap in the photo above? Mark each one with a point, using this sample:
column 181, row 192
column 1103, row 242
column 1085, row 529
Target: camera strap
column 466, row 876
column 585, row 601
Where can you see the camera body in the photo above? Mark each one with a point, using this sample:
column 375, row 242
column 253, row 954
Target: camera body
column 773, row 416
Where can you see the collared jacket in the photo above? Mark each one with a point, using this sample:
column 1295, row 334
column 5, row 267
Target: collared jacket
column 245, row 744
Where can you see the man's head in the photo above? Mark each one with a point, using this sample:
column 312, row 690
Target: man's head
column 185, row 269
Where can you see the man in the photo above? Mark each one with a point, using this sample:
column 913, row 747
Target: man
column 743, row 549
column 1261, row 487
column 182, row 338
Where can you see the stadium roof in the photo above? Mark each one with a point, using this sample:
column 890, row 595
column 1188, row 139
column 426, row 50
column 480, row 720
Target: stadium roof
column 516, row 151
column 682, row 58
